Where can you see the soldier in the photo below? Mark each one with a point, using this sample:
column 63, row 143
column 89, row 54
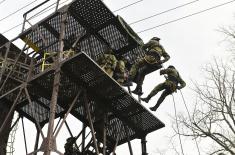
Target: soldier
column 152, row 58
column 121, row 72
column 108, row 62
column 169, row 86
column 70, row 148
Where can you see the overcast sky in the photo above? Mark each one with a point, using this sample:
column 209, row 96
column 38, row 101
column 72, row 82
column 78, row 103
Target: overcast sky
column 191, row 43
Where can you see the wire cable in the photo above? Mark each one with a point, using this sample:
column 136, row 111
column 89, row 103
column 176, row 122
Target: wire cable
column 160, row 13
column 128, row 6
column 157, row 25
column 181, row 18
column 12, row 28
column 48, row 8
column 17, row 10
column 2, row 1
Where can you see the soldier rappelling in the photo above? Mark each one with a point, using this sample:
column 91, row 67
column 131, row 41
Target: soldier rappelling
column 152, row 58
column 172, row 83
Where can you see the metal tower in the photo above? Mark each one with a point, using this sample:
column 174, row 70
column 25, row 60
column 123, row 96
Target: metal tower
column 42, row 84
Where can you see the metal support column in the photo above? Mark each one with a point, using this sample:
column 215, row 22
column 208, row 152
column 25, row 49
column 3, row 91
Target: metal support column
column 11, row 111
column 144, row 146
column 36, row 141
column 50, row 137
column 25, row 142
column 90, row 123
column 104, row 133
column 4, row 61
column 83, row 137
column 128, row 140
column 57, row 5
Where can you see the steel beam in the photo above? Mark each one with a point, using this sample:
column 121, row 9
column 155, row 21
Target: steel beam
column 55, row 92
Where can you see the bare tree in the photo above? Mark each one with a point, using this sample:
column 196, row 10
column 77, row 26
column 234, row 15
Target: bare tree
column 229, row 33
column 213, row 115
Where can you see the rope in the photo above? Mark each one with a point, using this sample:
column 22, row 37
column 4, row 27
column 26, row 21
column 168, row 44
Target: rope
column 190, row 121
column 177, row 119
column 177, row 125
column 11, row 14
column 160, row 13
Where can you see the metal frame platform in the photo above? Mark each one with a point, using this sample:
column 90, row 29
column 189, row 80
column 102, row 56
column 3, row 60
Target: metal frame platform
column 76, row 85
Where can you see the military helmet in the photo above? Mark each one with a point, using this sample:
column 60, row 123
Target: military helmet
column 70, row 139
column 171, row 66
column 109, row 51
column 156, row 38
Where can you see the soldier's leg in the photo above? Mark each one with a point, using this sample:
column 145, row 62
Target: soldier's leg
column 140, row 77
column 109, row 71
column 161, row 99
column 158, row 88
column 135, row 67
column 138, row 89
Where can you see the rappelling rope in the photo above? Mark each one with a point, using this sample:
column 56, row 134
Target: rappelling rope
column 177, row 120
column 177, row 125
column 190, row 121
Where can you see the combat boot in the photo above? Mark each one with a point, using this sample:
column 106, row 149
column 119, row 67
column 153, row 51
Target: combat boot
column 146, row 99
column 153, row 108
column 138, row 90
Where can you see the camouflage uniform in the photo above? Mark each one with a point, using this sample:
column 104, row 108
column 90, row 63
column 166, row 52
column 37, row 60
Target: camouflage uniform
column 152, row 58
column 69, row 147
column 120, row 72
column 108, row 63
column 169, row 86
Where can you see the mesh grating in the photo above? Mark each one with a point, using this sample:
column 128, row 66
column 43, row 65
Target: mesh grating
column 113, row 37
column 121, row 103
column 97, row 28
column 93, row 12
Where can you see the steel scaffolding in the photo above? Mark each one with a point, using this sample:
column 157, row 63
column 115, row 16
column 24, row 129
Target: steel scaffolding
column 73, row 84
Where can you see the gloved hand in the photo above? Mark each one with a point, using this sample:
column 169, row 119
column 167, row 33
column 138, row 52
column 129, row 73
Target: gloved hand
column 160, row 62
column 178, row 87
column 161, row 72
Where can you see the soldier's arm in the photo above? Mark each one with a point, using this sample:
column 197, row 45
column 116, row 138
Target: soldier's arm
column 100, row 59
column 181, row 82
column 166, row 71
column 114, row 62
column 165, row 55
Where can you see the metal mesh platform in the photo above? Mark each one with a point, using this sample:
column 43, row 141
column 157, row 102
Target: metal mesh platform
column 97, row 29
column 93, row 23
column 103, row 94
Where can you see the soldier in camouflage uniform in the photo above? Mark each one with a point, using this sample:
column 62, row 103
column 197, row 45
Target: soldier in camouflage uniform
column 154, row 53
column 108, row 62
column 121, row 72
column 70, row 148
column 169, row 86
